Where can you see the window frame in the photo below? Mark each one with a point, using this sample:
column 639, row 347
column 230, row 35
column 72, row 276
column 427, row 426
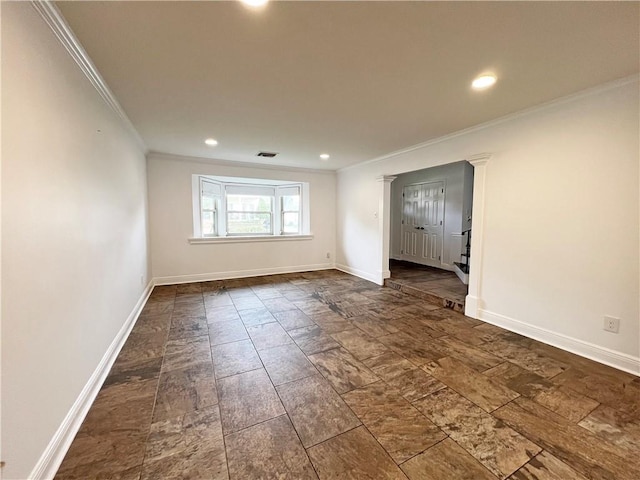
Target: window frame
column 271, row 211
column 278, row 190
column 214, row 210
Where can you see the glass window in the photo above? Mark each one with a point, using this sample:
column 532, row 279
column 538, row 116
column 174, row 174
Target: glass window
column 226, row 206
column 209, row 200
column 249, row 214
column 290, row 210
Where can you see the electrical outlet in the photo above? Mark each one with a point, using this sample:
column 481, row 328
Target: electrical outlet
column 328, row 255
column 611, row 324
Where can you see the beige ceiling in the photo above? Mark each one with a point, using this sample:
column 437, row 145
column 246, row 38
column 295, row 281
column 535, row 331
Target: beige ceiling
column 357, row 80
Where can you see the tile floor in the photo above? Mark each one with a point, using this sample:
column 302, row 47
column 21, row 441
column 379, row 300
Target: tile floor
column 323, row 375
column 432, row 284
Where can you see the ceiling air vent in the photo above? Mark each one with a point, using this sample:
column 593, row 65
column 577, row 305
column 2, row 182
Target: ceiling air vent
column 267, row 154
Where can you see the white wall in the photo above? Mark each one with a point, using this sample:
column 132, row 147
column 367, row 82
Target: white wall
column 561, row 218
column 73, row 234
column 174, row 259
column 453, row 175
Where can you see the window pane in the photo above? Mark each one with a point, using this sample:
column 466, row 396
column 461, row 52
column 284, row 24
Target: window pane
column 207, row 202
column 291, row 203
column 291, row 222
column 208, row 227
column 249, row 222
column 249, row 203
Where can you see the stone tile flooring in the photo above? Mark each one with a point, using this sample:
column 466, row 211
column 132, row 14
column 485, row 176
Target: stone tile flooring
column 323, row 375
column 428, row 283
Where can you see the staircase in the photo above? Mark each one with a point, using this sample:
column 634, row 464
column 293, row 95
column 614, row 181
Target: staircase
column 462, row 268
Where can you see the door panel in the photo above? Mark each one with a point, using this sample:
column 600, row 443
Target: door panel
column 411, row 221
column 422, row 223
column 434, row 251
column 425, row 246
column 410, row 243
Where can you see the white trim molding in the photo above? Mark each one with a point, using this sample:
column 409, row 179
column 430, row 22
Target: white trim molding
column 248, row 239
column 384, row 224
column 52, row 457
column 58, row 25
column 207, row 277
column 472, row 304
column 377, row 279
column 621, row 361
column 474, row 296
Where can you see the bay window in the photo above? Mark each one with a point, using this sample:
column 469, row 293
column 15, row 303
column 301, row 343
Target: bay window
column 243, row 207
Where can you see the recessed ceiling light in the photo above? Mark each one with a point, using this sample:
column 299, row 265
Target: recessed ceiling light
column 255, row 3
column 483, row 81
column 324, row 156
column 212, row 142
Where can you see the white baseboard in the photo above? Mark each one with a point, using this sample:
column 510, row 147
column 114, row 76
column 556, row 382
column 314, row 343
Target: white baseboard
column 372, row 277
column 472, row 306
column 442, row 266
column 464, row 277
column 51, row 458
column 619, row 360
column 206, row 277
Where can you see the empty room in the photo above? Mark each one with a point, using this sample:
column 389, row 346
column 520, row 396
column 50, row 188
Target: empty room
column 320, row 240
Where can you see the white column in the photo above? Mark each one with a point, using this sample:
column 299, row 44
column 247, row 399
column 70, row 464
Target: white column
column 384, row 225
column 473, row 301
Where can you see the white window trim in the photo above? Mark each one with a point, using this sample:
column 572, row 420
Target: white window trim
column 282, row 211
column 249, row 239
column 276, row 221
column 216, row 209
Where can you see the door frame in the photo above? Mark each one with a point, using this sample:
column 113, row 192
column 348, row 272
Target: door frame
column 473, row 301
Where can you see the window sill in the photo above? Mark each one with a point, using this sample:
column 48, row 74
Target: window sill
column 257, row 238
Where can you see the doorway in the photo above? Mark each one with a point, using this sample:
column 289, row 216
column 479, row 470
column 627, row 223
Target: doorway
column 422, row 223
column 473, row 300
column 430, row 217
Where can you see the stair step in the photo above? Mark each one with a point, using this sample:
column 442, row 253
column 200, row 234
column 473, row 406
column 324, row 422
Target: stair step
column 463, row 267
column 428, row 296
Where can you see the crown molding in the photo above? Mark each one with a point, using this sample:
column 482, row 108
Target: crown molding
column 386, row 178
column 512, row 116
column 479, row 159
column 58, row 25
